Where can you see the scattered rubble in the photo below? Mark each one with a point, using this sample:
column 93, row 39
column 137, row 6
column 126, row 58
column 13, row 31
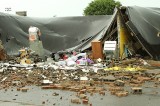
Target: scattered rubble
column 80, row 78
column 76, row 100
column 136, row 90
column 24, row 89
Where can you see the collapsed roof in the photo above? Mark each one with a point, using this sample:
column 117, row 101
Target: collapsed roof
column 144, row 23
column 60, row 33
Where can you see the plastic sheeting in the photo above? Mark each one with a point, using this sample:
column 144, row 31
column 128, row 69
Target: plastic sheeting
column 58, row 33
column 145, row 23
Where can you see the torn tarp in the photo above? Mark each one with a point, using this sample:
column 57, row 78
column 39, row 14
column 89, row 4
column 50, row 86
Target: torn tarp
column 145, row 24
column 58, row 33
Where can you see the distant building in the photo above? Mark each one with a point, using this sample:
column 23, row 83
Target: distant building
column 21, row 13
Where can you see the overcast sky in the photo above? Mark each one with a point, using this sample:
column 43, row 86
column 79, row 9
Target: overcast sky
column 61, row 8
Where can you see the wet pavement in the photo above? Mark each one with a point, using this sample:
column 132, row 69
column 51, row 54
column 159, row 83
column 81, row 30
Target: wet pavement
column 36, row 96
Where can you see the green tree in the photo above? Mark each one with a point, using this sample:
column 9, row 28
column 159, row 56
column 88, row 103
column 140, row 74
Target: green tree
column 101, row 7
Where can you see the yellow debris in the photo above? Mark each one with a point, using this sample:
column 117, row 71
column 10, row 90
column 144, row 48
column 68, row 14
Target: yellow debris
column 128, row 68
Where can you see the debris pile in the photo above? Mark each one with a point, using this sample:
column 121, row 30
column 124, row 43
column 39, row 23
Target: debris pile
column 124, row 78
